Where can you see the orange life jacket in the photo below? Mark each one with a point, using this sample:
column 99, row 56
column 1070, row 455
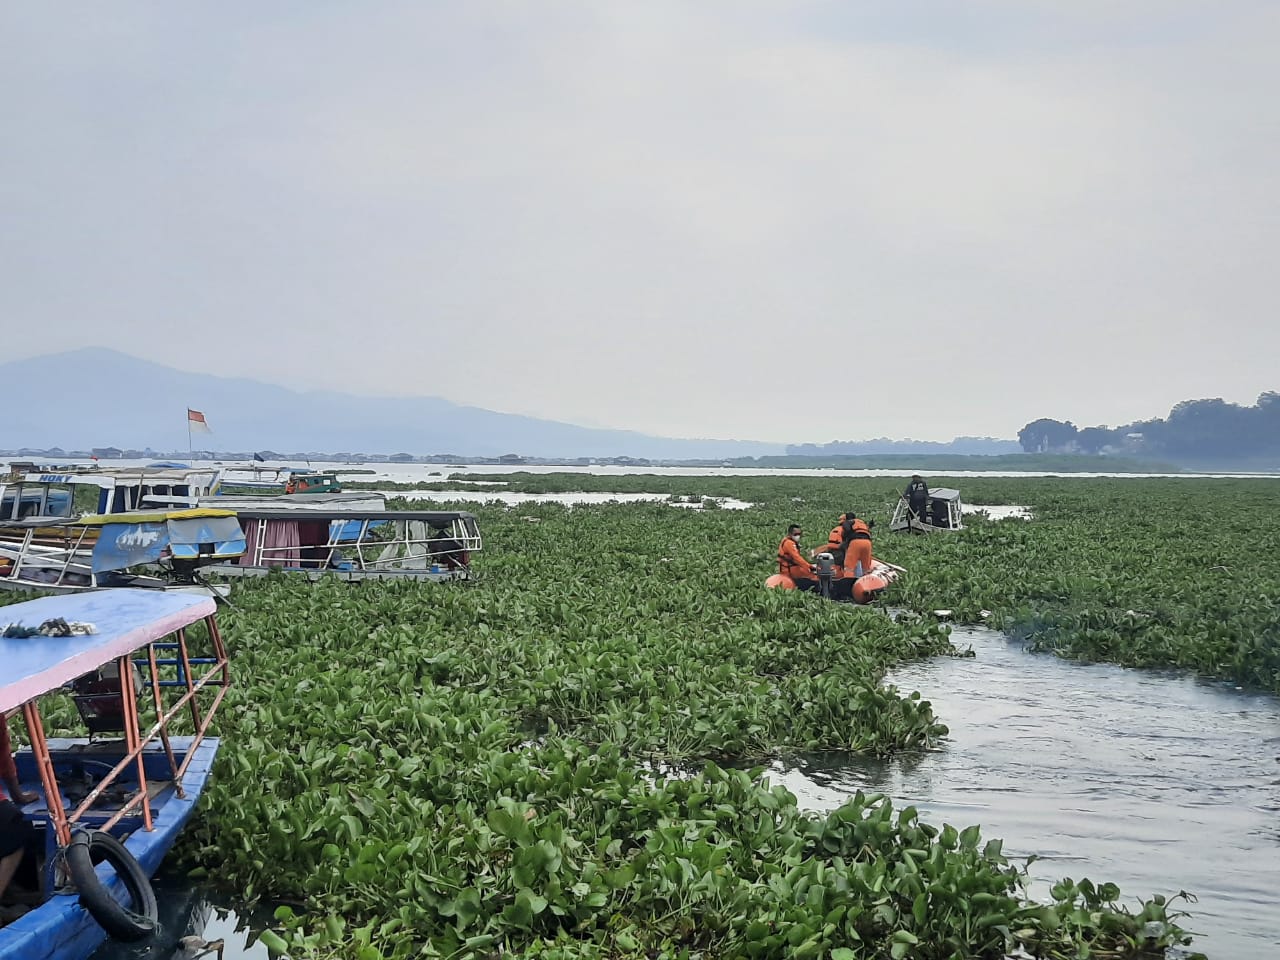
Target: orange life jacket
column 791, row 563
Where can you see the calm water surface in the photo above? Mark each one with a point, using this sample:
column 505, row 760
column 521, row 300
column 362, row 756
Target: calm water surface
column 191, row 911
column 1151, row 780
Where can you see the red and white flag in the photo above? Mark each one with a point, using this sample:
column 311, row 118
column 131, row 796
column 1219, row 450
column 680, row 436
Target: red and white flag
column 196, row 422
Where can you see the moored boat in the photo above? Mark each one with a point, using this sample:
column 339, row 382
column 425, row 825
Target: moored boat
column 275, row 480
column 110, row 805
column 65, row 494
column 156, row 549
column 319, row 534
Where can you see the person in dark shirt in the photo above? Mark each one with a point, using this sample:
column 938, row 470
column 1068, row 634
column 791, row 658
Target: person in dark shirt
column 17, row 835
column 917, row 496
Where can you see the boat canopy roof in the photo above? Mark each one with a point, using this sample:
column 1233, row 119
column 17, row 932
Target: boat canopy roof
column 153, row 516
column 944, row 493
column 124, row 477
column 148, row 536
column 126, row 619
column 129, row 516
column 294, row 501
column 28, row 523
column 436, row 518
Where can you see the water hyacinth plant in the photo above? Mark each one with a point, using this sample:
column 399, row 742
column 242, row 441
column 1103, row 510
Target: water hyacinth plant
column 555, row 760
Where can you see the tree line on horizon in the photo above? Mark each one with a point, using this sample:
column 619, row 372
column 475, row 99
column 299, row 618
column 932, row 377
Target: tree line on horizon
column 964, row 446
column 1194, row 430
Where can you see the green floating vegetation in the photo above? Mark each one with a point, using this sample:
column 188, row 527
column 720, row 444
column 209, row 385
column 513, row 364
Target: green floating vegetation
column 476, row 769
column 479, row 769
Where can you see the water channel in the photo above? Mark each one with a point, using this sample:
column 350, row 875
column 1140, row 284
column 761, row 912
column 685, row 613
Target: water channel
column 1149, row 779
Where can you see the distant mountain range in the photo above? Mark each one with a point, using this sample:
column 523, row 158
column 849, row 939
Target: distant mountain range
column 96, row 397
column 100, row 398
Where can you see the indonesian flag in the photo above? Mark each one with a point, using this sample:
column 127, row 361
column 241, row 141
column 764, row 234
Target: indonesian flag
column 196, row 422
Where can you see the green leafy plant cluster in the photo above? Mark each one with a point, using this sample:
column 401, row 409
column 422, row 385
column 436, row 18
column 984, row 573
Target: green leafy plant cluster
column 484, row 768
column 478, row 769
column 1181, row 572
column 1145, row 573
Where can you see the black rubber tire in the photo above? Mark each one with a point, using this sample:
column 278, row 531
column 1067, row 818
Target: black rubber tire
column 87, row 849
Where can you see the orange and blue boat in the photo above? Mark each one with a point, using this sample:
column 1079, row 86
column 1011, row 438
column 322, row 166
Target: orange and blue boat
column 147, row 671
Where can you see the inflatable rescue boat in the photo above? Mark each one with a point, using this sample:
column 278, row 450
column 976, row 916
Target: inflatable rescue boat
column 865, row 589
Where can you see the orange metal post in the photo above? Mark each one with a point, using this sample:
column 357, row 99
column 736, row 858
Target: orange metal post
column 131, row 738
column 40, row 750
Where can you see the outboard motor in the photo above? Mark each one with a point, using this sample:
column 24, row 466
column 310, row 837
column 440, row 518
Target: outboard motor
column 825, row 565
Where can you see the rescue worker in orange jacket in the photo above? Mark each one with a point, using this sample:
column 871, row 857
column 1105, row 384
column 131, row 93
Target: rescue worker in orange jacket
column 857, row 557
column 835, row 540
column 792, row 564
column 854, row 555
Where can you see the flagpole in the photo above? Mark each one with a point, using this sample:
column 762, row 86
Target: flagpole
column 190, row 455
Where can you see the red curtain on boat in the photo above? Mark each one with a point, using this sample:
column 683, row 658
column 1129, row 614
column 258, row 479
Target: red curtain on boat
column 280, row 544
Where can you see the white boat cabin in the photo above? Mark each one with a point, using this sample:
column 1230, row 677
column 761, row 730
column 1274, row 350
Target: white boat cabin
column 67, row 494
column 943, row 512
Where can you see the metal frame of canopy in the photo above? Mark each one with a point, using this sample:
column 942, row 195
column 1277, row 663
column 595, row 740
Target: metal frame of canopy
column 356, row 543
column 73, row 554
column 126, row 621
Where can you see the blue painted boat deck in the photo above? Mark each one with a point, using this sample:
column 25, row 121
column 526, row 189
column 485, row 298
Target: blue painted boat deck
column 61, row 929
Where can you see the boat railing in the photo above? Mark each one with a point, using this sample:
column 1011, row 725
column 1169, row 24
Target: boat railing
column 58, row 551
column 367, row 544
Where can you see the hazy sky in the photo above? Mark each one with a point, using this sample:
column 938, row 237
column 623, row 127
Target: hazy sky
column 790, row 221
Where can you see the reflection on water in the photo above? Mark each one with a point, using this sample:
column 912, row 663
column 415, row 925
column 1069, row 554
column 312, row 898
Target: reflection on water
column 194, row 922
column 1152, row 780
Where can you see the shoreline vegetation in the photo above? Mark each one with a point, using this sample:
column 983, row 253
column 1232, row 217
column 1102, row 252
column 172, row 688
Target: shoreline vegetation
column 940, row 462
column 481, row 769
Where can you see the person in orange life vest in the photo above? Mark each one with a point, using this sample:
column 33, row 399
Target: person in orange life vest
column 792, row 564
column 17, row 835
column 835, row 539
column 854, row 556
column 857, row 558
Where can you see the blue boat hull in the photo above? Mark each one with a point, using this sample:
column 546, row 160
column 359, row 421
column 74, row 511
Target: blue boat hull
column 61, row 929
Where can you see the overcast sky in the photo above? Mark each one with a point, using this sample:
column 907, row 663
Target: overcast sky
column 788, row 221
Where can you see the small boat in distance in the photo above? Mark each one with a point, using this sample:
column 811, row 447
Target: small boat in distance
column 274, row 480
column 943, row 512
column 110, row 804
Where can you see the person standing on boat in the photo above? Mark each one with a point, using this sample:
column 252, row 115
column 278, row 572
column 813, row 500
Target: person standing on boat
column 917, row 497
column 17, row 835
column 857, row 555
column 791, row 564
